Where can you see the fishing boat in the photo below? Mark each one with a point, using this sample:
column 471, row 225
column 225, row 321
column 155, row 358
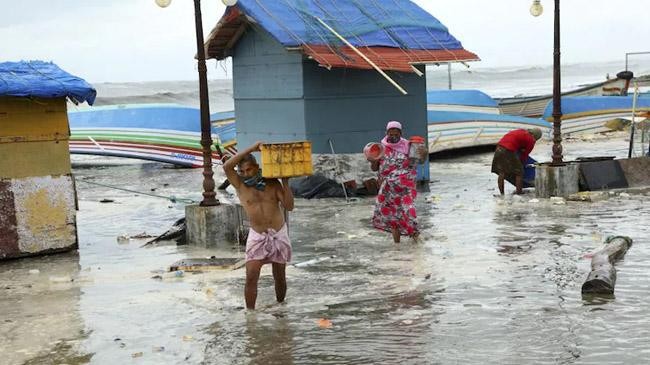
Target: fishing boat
column 224, row 131
column 155, row 132
column 470, row 118
column 533, row 106
column 590, row 114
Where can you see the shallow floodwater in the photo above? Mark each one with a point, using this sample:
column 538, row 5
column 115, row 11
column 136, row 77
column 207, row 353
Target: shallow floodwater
column 494, row 280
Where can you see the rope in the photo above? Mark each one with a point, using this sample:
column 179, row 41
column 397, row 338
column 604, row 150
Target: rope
column 171, row 198
column 378, row 56
column 390, row 35
column 64, row 88
column 409, row 14
column 324, row 38
column 292, row 34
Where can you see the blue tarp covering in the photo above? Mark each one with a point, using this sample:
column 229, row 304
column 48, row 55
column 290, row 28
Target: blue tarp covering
column 581, row 104
column 388, row 23
column 460, row 97
column 43, row 80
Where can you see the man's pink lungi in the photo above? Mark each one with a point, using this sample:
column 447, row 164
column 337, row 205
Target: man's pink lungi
column 269, row 246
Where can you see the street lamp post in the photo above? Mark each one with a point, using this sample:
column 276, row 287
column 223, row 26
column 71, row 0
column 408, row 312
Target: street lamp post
column 209, row 195
column 536, row 10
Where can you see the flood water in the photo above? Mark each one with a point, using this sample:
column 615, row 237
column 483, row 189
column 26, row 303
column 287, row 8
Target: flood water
column 495, row 280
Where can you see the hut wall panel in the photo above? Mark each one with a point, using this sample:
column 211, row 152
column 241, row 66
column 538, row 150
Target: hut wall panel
column 268, row 93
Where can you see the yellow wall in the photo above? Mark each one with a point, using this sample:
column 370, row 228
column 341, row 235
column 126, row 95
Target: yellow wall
column 33, row 137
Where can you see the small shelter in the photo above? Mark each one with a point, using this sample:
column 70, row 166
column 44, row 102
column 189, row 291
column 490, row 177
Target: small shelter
column 37, row 191
column 330, row 71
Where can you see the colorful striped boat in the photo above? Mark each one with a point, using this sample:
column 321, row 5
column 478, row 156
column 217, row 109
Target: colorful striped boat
column 589, row 114
column 155, row 132
column 470, row 118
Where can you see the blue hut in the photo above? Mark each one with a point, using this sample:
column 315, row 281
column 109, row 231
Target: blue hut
column 312, row 69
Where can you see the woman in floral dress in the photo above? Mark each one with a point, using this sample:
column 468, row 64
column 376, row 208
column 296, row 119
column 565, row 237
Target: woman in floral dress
column 395, row 206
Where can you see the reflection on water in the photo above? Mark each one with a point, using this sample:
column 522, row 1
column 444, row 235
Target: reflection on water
column 496, row 281
column 40, row 310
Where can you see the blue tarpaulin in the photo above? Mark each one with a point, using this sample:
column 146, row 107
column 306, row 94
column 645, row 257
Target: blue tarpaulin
column 373, row 23
column 44, row 80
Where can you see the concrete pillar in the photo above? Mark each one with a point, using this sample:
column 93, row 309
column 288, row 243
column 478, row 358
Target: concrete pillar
column 217, row 226
column 556, row 180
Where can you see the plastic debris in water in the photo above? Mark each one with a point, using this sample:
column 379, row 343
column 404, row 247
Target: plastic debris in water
column 34, row 271
column 324, row 323
column 60, row 279
column 123, row 238
column 179, row 273
column 187, row 338
column 137, row 354
column 313, row 261
column 557, row 200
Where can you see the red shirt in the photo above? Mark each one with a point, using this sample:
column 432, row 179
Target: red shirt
column 518, row 141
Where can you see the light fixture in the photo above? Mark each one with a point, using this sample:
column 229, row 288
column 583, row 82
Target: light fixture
column 229, row 2
column 536, row 9
column 163, row 3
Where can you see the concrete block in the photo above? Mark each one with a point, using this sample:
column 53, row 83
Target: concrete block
column 218, row 226
column 636, row 171
column 37, row 216
column 559, row 181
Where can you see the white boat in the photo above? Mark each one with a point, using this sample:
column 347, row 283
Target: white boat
column 470, row 118
column 533, row 106
column 589, row 114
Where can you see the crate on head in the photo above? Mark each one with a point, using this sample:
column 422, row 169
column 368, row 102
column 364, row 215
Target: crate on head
column 288, row 159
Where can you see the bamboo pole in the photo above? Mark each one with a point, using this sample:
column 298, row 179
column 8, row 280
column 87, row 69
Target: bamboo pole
column 381, row 72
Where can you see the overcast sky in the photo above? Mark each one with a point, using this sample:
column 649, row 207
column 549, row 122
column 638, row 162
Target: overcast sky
column 135, row 40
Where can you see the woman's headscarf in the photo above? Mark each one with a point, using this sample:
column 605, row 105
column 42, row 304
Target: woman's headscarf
column 403, row 145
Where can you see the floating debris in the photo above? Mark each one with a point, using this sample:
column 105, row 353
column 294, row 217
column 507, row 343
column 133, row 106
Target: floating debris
column 324, row 323
column 208, row 264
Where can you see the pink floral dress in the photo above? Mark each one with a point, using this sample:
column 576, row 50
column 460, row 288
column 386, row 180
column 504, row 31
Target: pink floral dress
column 395, row 205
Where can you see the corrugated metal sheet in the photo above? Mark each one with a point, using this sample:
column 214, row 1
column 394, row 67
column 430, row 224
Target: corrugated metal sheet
column 394, row 59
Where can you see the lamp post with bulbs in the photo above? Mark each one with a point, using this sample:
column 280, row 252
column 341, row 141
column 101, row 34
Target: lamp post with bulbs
column 536, row 9
column 209, row 195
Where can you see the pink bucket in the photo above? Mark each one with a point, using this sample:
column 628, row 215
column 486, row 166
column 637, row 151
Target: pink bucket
column 374, row 151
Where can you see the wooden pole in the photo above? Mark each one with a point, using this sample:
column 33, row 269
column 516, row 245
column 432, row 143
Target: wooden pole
column 209, row 195
column 602, row 278
column 557, row 91
column 362, row 56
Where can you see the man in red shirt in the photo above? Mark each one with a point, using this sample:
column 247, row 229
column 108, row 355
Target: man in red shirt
column 511, row 155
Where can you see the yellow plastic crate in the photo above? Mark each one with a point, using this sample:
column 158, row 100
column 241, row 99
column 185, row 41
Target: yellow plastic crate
column 288, row 159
